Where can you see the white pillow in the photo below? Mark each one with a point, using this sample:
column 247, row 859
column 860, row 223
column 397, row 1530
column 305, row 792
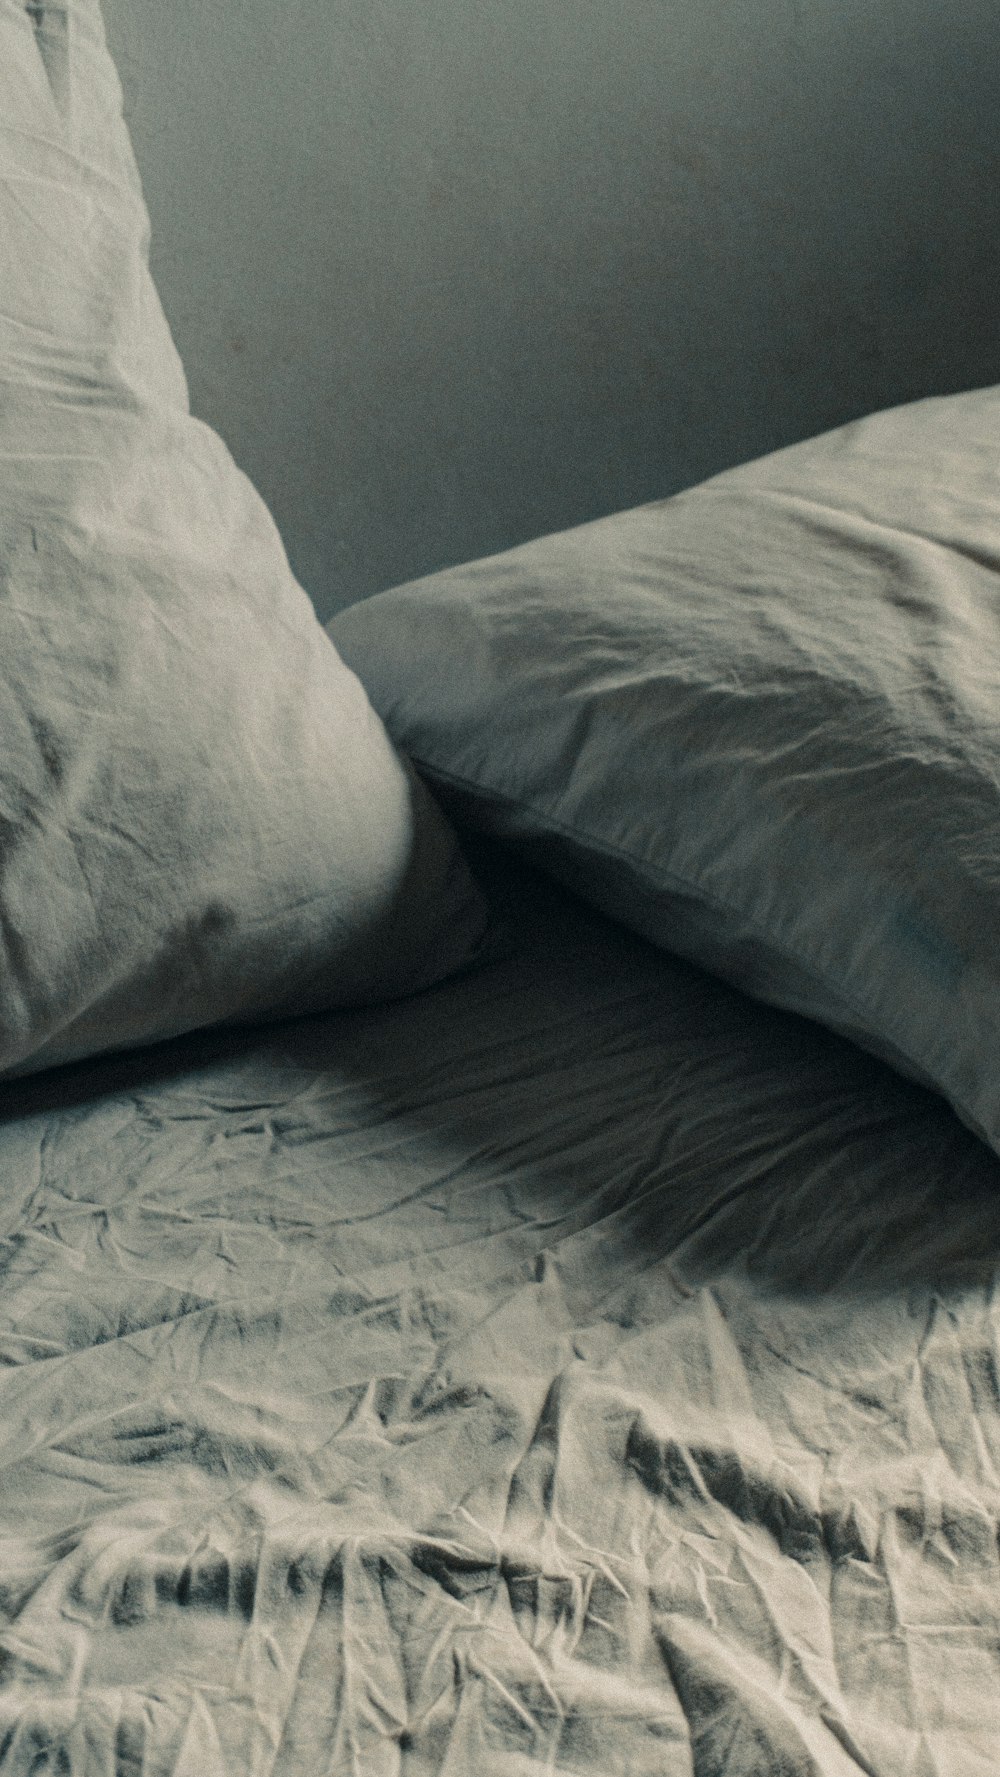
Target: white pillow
column 759, row 722
column 201, row 818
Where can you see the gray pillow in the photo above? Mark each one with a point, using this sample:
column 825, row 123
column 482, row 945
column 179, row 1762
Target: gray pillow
column 758, row 722
column 201, row 817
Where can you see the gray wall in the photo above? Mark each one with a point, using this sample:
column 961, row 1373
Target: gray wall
column 450, row 273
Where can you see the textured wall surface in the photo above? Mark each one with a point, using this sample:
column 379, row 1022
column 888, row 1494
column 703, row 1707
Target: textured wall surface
column 447, row 274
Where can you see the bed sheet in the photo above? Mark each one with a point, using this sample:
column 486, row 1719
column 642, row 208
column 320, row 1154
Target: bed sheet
column 576, row 1368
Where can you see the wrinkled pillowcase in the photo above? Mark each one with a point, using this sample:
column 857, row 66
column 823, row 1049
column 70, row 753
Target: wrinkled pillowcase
column 758, row 722
column 201, row 817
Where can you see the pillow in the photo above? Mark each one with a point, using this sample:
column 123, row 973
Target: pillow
column 201, row 818
column 758, row 722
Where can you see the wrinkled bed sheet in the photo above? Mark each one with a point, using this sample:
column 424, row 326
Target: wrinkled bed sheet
column 573, row 1369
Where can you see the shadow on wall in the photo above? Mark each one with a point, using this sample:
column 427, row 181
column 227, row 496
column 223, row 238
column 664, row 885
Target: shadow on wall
column 446, row 277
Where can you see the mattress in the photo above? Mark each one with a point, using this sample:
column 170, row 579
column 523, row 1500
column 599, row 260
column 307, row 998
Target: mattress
column 572, row 1368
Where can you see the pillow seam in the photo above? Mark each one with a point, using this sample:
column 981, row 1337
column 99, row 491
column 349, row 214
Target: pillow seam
column 671, row 880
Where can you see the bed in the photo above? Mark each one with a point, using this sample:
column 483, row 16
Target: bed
column 497, row 1276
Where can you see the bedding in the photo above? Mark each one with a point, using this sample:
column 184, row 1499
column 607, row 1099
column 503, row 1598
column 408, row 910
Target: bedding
column 574, row 1368
column 575, row 1365
column 201, row 817
column 758, row 722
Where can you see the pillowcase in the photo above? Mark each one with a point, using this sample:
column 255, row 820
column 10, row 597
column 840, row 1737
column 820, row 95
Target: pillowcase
column 758, row 722
column 201, row 817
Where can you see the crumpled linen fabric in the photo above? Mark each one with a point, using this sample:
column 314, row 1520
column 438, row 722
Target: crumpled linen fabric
column 756, row 721
column 201, row 817
column 576, row 1368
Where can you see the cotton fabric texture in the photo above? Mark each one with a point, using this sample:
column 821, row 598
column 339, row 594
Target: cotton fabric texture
column 577, row 1369
column 759, row 722
column 201, row 818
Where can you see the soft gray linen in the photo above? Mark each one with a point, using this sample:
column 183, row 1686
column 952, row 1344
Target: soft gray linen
column 576, row 1368
column 201, row 816
column 758, row 722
